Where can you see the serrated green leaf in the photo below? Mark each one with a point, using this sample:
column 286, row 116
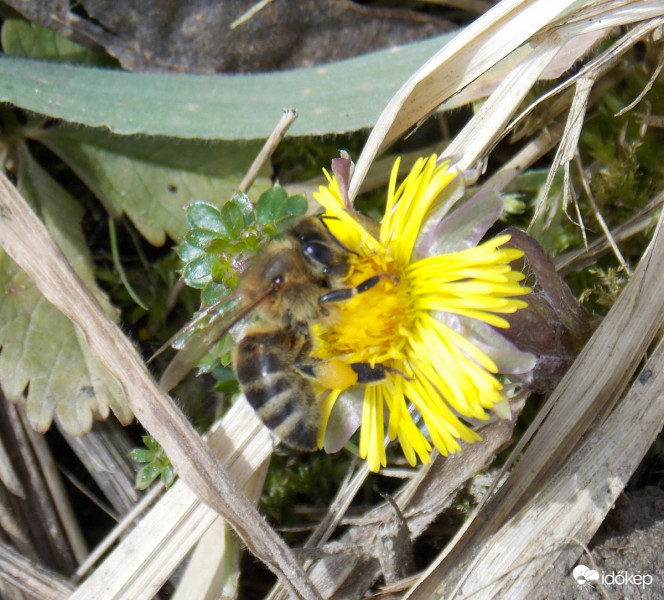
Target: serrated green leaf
column 158, row 464
column 205, row 215
column 219, row 245
column 219, row 272
column 145, row 476
column 296, row 205
column 275, row 204
column 246, row 207
column 345, row 96
column 233, row 220
column 151, row 180
column 213, row 293
column 253, row 241
column 29, row 40
column 269, row 203
column 168, row 475
column 188, row 252
column 41, row 349
column 151, row 443
column 198, row 272
column 201, row 238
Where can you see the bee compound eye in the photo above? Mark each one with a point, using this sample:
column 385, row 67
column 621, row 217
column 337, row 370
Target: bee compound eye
column 318, row 253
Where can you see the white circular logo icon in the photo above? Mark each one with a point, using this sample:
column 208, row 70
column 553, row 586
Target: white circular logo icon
column 583, row 574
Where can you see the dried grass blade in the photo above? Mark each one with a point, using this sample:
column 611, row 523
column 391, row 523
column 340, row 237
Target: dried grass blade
column 473, row 52
column 575, row 502
column 213, row 571
column 579, row 404
column 104, row 452
column 28, row 242
column 8, row 475
column 485, row 129
column 349, row 566
column 581, row 258
column 64, row 512
column 24, row 574
column 147, row 556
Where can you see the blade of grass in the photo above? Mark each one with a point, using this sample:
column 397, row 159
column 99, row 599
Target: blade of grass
column 117, row 263
column 24, row 574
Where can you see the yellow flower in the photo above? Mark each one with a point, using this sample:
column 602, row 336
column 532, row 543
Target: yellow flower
column 412, row 321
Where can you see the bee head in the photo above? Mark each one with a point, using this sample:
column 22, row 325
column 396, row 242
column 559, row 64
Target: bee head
column 323, row 253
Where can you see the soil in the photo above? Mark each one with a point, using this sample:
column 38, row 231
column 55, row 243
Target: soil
column 627, row 553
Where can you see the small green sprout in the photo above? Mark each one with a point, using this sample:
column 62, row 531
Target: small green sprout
column 157, row 464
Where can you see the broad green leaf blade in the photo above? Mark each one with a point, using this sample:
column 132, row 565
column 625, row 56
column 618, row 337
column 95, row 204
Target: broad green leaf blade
column 152, row 180
column 340, row 97
column 41, row 348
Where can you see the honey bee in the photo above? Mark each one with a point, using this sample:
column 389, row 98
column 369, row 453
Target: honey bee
column 291, row 284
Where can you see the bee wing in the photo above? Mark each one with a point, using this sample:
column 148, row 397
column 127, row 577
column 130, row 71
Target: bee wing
column 197, row 337
column 179, row 339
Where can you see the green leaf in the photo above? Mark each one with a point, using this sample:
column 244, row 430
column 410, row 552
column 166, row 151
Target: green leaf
column 168, row 475
column 233, row 220
column 340, row 97
column 275, row 204
column 151, row 180
column 221, row 241
column 151, row 443
column 146, row 475
column 246, row 207
column 220, row 270
column 212, row 293
column 141, row 455
column 204, row 215
column 158, row 464
column 29, row 40
column 187, row 251
column 219, row 245
column 41, row 349
column 201, row 238
column 198, row 272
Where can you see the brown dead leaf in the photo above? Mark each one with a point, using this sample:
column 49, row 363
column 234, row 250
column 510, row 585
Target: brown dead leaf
column 196, row 36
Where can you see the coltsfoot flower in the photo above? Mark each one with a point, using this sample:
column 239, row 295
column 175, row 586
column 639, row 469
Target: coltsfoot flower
column 428, row 318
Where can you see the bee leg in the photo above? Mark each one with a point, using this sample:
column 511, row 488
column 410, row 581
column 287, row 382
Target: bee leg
column 331, row 374
column 367, row 373
column 337, row 374
column 345, row 293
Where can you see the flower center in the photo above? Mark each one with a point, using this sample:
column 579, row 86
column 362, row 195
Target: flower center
column 372, row 326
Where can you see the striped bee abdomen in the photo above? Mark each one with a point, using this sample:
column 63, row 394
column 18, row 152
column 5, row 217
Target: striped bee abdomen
column 281, row 396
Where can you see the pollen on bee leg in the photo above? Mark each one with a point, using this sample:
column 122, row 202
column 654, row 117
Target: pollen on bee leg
column 335, row 374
